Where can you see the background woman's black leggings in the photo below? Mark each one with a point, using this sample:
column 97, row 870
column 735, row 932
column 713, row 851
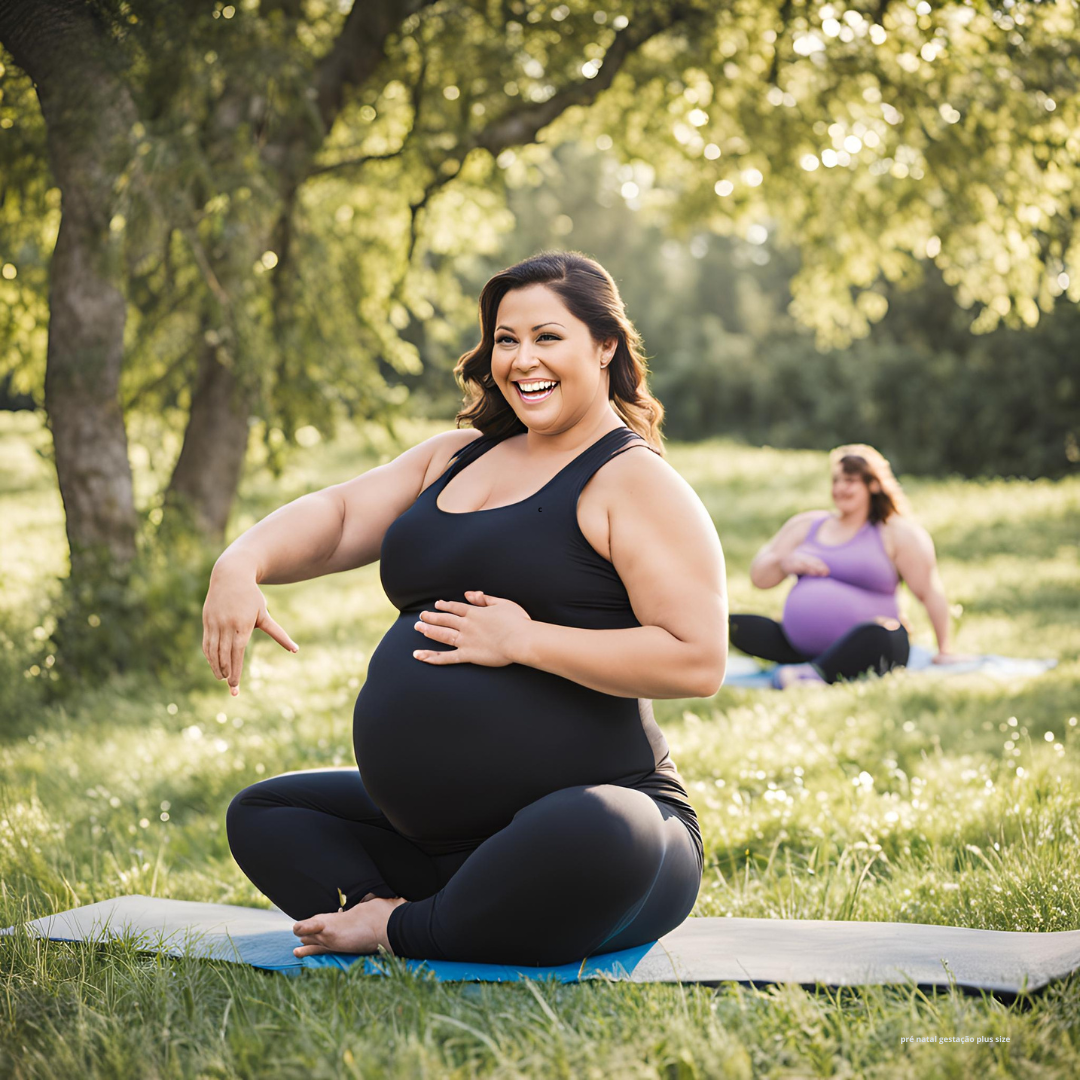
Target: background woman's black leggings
column 867, row 647
column 580, row 871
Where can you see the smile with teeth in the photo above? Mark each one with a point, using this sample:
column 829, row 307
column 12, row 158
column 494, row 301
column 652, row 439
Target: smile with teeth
column 536, row 390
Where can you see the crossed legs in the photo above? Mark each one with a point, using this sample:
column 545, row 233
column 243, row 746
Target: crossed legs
column 582, row 870
column 870, row 646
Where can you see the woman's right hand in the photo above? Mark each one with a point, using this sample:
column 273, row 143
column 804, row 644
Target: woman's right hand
column 234, row 607
column 804, row 565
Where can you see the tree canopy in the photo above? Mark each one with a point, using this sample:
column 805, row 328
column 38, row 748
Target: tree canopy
column 871, row 136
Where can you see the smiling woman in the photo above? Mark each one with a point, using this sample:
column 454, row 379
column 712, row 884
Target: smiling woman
column 841, row 618
column 524, row 339
column 515, row 801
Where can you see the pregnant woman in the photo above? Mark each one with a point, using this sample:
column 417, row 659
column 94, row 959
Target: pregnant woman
column 515, row 801
column 841, row 618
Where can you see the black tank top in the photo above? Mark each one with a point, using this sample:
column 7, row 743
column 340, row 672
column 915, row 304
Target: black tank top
column 451, row 753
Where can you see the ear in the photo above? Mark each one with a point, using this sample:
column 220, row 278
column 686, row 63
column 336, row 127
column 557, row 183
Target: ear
column 875, row 487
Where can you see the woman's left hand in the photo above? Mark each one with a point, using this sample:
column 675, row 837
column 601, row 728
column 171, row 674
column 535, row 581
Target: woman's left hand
column 484, row 631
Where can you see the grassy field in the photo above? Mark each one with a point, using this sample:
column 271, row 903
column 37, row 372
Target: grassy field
column 954, row 801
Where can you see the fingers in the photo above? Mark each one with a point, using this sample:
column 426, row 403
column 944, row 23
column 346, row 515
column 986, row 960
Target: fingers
column 475, row 598
column 428, row 619
column 446, row 634
column 452, row 606
column 236, row 661
column 269, row 626
column 212, row 653
column 433, row 656
column 224, row 652
column 313, row 936
column 224, row 648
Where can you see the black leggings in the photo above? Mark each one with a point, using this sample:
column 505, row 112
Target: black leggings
column 867, row 647
column 580, row 871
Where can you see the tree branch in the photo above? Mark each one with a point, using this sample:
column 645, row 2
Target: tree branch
column 145, row 389
column 358, row 51
column 522, row 125
column 774, row 68
column 417, row 98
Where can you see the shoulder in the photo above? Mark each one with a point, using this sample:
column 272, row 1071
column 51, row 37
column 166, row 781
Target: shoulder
column 907, row 535
column 796, row 528
column 637, row 485
column 638, row 472
column 905, row 530
column 439, row 449
column 806, row 517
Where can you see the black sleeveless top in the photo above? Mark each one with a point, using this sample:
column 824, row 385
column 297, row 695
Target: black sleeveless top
column 451, row 753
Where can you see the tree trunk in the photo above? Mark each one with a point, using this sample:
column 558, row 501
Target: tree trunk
column 88, row 115
column 210, row 465
column 82, row 377
column 211, row 462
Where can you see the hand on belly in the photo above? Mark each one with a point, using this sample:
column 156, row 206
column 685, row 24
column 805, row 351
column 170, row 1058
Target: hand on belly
column 484, row 631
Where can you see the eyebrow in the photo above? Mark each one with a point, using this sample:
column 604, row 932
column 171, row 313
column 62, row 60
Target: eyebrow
column 535, row 328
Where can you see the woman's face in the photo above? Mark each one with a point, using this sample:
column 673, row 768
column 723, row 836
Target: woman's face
column 538, row 342
column 850, row 492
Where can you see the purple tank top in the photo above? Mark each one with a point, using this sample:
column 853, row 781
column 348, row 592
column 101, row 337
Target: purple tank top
column 860, row 587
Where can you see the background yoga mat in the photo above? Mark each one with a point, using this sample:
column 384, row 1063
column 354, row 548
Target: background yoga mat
column 747, row 673
column 701, row 950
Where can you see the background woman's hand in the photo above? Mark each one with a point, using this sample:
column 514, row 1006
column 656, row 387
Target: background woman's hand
column 804, row 565
column 482, row 631
column 234, row 607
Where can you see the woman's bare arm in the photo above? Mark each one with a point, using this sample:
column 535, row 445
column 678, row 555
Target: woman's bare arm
column 665, row 549
column 767, row 571
column 342, row 526
column 327, row 531
column 916, row 561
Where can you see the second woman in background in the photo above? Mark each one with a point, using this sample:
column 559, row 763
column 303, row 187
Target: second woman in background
column 841, row 618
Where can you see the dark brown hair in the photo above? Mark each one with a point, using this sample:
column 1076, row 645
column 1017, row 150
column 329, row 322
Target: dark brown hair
column 858, row 459
column 591, row 295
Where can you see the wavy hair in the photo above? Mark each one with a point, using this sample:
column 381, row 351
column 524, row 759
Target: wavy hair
column 858, row 459
column 591, row 295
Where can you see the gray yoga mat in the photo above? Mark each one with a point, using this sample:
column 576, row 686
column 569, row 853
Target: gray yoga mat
column 759, row 951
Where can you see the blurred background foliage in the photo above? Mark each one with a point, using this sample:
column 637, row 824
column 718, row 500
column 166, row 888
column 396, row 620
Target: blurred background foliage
column 728, row 356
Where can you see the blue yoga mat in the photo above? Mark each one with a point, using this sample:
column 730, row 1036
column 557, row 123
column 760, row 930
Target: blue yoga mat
column 706, row 950
column 264, row 939
column 747, row 673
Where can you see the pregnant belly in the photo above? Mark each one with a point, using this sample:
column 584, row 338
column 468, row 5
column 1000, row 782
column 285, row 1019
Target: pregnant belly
column 821, row 610
column 451, row 752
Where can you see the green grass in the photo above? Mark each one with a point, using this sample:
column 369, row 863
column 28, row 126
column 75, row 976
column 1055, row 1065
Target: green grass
column 953, row 801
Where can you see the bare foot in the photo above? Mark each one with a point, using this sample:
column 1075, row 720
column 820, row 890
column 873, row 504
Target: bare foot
column 787, row 674
column 361, row 929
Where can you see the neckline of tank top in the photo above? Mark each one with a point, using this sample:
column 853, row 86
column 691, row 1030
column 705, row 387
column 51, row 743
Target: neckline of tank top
column 833, row 547
column 451, row 472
